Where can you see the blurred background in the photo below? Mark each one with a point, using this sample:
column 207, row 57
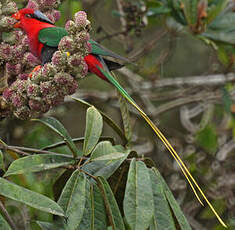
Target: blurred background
column 180, row 80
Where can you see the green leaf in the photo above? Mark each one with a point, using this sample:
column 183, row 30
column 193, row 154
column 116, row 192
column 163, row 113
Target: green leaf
column 207, row 138
column 39, row 162
column 3, row 224
column 220, row 207
column 137, row 209
column 106, row 118
column 59, row 224
column 227, row 100
column 215, row 10
column 30, row 198
column 2, row 167
column 57, row 127
column 86, row 222
column 155, row 11
column 173, row 203
column 107, row 167
column 114, row 214
column 162, row 219
column 94, row 125
column 99, row 218
column 223, row 55
column 190, row 11
column 111, row 156
column 222, row 29
column 73, row 199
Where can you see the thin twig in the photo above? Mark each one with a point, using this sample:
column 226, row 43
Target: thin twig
column 12, row 148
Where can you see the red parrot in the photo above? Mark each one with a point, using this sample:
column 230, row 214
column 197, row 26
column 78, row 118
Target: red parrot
column 44, row 38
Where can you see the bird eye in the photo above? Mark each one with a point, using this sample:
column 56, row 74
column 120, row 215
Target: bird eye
column 28, row 16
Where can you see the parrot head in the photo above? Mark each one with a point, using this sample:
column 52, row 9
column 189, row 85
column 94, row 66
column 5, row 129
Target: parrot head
column 26, row 16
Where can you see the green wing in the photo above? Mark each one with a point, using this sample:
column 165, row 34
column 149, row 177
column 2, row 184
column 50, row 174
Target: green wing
column 102, row 51
column 51, row 36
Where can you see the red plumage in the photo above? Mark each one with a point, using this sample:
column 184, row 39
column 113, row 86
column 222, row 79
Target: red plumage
column 32, row 28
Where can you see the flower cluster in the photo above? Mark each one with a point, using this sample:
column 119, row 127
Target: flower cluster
column 28, row 96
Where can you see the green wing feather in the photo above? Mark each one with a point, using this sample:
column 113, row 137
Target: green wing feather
column 97, row 49
column 51, row 36
column 192, row 182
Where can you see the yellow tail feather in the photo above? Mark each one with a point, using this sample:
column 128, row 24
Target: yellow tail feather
column 181, row 164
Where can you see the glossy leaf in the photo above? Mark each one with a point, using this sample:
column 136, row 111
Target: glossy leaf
column 107, row 167
column 182, row 221
column 57, row 127
column 112, row 208
column 73, row 199
column 137, row 209
column 39, row 162
column 30, row 198
column 99, row 218
column 162, row 219
column 111, row 156
column 3, row 223
column 94, row 125
column 106, row 118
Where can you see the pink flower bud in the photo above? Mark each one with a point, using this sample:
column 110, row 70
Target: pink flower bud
column 6, row 23
column 23, row 76
column 7, row 93
column 17, row 101
column 31, row 60
column 56, row 15
column 75, row 60
column 59, row 59
column 70, row 26
column 35, row 104
column 66, row 44
column 32, row 5
column 81, row 19
column 23, row 113
column 13, row 69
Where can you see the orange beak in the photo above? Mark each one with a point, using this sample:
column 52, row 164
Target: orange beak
column 17, row 17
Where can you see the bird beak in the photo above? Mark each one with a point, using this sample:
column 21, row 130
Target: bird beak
column 17, row 17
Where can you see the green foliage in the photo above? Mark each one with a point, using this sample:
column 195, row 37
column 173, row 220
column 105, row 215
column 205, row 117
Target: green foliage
column 207, row 138
column 57, row 127
column 94, row 125
column 220, row 206
column 3, row 224
column 86, row 199
column 138, row 210
column 212, row 21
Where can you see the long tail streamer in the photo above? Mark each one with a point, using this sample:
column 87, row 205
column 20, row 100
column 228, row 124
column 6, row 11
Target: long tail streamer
column 192, row 182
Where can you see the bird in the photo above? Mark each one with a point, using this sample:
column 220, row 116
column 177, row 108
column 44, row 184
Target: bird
column 44, row 38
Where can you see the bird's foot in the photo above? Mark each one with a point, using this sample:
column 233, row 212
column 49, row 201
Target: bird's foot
column 38, row 67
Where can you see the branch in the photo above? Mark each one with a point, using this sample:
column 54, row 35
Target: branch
column 209, row 80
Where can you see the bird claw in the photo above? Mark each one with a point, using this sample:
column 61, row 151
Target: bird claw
column 38, row 67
